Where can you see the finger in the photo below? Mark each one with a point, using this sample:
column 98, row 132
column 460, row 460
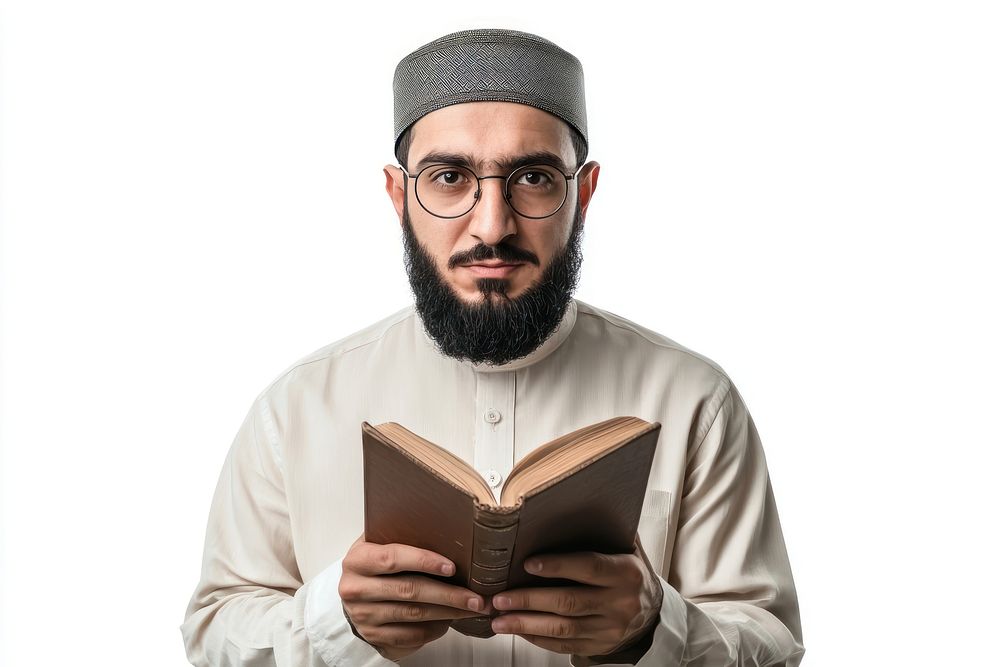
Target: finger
column 588, row 567
column 406, row 635
column 380, row 613
column 544, row 625
column 561, row 600
column 408, row 588
column 369, row 558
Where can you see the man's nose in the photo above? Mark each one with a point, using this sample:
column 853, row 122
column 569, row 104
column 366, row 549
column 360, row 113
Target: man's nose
column 492, row 217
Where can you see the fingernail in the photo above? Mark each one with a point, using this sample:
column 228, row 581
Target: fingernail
column 448, row 569
column 501, row 602
column 474, row 604
column 499, row 626
column 533, row 566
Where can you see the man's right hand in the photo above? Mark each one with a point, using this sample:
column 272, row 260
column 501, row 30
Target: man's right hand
column 394, row 610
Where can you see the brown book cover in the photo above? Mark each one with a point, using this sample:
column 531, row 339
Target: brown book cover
column 582, row 491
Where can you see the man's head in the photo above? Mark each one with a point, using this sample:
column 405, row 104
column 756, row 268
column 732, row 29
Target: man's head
column 472, row 312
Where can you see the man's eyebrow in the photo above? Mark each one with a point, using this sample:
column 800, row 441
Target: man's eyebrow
column 506, row 163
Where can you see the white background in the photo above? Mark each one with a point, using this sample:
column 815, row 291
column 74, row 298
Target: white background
column 192, row 199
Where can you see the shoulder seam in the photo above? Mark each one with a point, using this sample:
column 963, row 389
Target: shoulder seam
column 677, row 348
column 270, row 431
column 335, row 352
column 711, row 422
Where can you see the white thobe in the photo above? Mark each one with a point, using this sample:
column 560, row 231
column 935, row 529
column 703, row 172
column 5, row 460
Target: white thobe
column 289, row 499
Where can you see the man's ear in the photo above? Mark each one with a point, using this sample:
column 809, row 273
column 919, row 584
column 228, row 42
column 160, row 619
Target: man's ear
column 395, row 188
column 588, row 183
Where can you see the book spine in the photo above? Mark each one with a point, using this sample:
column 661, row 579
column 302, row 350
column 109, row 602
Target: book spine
column 492, row 546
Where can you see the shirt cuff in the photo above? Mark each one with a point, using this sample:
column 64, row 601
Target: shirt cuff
column 328, row 629
column 669, row 635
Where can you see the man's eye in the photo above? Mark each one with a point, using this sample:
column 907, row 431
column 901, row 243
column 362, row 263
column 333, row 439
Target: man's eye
column 534, row 178
column 449, row 177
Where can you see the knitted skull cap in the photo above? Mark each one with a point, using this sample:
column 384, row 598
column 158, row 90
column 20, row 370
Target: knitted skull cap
column 489, row 64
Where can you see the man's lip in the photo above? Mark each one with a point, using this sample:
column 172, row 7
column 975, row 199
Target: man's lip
column 494, row 266
column 493, row 270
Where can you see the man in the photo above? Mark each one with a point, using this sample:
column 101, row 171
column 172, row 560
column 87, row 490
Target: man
column 494, row 358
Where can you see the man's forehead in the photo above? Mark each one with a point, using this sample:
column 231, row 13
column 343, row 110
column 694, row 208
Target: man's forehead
column 484, row 135
column 507, row 161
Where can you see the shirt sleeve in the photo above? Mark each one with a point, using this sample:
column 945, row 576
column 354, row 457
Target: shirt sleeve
column 729, row 599
column 251, row 606
column 330, row 630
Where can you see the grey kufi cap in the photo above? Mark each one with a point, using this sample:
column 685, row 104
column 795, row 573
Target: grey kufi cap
column 489, row 64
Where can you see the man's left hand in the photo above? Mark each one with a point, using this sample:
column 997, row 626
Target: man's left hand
column 617, row 605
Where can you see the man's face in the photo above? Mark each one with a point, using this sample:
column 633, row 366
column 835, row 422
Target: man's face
column 469, row 312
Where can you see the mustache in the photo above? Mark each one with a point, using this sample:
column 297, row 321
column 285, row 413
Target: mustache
column 503, row 252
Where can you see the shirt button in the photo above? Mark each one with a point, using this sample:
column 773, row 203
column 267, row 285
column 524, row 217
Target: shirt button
column 493, row 478
column 492, row 416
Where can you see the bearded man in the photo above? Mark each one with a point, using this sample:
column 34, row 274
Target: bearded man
column 494, row 357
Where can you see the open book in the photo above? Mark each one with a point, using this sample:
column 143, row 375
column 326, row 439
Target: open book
column 582, row 491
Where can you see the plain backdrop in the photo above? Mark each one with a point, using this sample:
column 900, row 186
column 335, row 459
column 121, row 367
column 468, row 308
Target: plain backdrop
column 806, row 193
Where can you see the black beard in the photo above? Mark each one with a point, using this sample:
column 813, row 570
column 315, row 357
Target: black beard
column 493, row 331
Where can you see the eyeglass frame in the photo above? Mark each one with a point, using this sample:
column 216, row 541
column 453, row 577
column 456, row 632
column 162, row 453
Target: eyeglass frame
column 479, row 187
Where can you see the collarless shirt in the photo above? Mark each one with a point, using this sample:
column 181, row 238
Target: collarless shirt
column 289, row 499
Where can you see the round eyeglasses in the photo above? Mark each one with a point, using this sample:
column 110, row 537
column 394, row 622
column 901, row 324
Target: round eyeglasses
column 450, row 191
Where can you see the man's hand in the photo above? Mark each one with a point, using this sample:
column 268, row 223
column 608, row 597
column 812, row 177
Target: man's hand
column 616, row 607
column 396, row 612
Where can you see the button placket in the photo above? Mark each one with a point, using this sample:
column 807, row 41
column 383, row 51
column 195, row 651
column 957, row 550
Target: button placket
column 494, row 447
